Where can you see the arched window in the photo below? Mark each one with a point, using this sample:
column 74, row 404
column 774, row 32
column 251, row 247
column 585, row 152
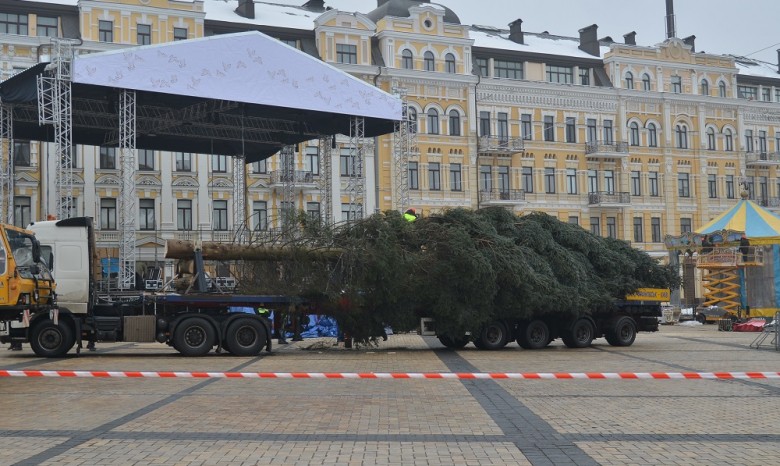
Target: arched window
column 449, row 61
column 728, row 139
column 710, row 139
column 652, row 135
column 629, row 80
column 407, row 60
column 681, row 132
column 433, row 121
column 633, row 133
column 430, row 63
column 705, row 87
column 412, row 115
column 722, row 89
column 646, row 82
column 454, row 123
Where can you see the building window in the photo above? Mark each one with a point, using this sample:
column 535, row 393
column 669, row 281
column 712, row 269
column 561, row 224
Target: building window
column 412, row 116
column 22, row 211
column 677, row 84
column 636, row 184
column 527, row 179
column 608, row 132
column 549, row 180
column 351, row 212
column 260, row 167
column 184, row 214
column 526, row 128
column 22, row 154
column 346, row 53
column 593, row 181
column 454, row 123
column 434, row 176
column 508, row 69
column 47, row 26
column 414, row 176
column 574, row 220
column 407, row 60
column 503, row 126
column 629, row 80
column 710, row 139
column 449, row 63
column 591, row 133
column 291, row 42
column 638, row 234
column 609, row 181
column 612, row 227
column 429, row 61
column 652, row 179
column 762, row 141
column 655, row 229
column 633, row 133
column 777, row 143
column 146, row 214
column 571, row 129
column 646, row 82
column 456, row 177
column 433, row 121
column 730, row 186
column 728, row 140
column 108, row 158
column 313, row 211
column 145, row 159
column 108, row 214
column 747, row 92
column 652, row 135
column 483, row 67
column 485, row 178
column 705, row 87
column 681, row 132
column 219, row 163
column 571, row 181
column 144, row 34
column 348, row 159
column 560, row 74
column 683, row 185
column 259, row 216
column 311, row 161
column 106, row 31
column 585, row 76
column 722, row 89
column 484, row 123
column 685, row 225
column 220, row 215
column 595, row 226
column 179, row 34
column 183, row 162
column 712, row 186
column 549, row 128
column 503, row 179
column 13, row 24
column 749, row 140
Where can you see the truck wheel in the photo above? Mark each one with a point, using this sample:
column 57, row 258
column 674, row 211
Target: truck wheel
column 245, row 337
column 51, row 341
column 494, row 336
column 453, row 343
column 701, row 318
column 194, row 337
column 580, row 335
column 623, row 333
column 534, row 335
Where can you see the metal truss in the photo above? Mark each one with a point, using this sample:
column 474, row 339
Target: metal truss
column 127, row 211
column 356, row 186
column 326, row 178
column 404, row 142
column 6, row 163
column 288, row 188
column 240, row 219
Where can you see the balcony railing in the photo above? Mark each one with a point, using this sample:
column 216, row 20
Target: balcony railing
column 511, row 196
column 299, row 177
column 608, row 149
column 497, row 145
column 762, row 159
column 609, row 199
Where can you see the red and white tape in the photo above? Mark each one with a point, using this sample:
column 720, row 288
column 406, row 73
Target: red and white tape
column 398, row 375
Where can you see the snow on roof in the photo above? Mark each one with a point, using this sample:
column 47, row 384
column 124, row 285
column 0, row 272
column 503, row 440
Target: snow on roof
column 534, row 43
column 243, row 67
column 56, row 2
column 266, row 14
column 748, row 67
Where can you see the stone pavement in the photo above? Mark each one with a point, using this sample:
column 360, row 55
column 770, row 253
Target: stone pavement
column 71, row 421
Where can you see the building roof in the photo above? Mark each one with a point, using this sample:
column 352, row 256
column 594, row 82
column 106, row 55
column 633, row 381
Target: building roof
column 400, row 9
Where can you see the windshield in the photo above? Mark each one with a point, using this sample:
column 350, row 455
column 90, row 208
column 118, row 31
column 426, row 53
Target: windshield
column 21, row 248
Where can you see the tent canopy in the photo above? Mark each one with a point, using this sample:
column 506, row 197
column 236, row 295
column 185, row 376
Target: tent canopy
column 244, row 94
column 760, row 225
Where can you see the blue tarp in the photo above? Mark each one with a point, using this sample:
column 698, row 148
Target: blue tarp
column 110, row 265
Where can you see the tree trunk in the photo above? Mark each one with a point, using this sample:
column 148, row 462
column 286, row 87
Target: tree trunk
column 180, row 249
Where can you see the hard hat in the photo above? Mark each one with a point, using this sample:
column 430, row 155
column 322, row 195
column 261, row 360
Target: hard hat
column 411, row 211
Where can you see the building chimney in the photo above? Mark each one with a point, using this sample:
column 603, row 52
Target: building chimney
column 630, row 38
column 671, row 29
column 315, row 5
column 516, row 31
column 607, row 40
column 246, row 8
column 690, row 40
column 589, row 42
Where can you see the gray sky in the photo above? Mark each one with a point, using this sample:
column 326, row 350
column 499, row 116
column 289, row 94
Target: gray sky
column 720, row 26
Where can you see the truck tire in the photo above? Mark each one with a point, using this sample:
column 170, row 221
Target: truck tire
column 494, row 336
column 580, row 335
column 453, row 342
column 534, row 335
column 51, row 341
column 245, row 337
column 701, row 318
column 194, row 337
column 622, row 333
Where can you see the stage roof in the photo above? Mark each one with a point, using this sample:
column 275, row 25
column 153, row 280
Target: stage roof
column 232, row 94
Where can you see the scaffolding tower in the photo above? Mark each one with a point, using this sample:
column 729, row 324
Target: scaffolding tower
column 404, row 139
column 7, row 163
column 326, row 144
column 240, row 219
column 356, row 186
column 127, row 211
column 288, row 188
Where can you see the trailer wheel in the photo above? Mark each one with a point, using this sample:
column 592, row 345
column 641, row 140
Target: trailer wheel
column 453, row 343
column 580, row 335
column 623, row 333
column 194, row 337
column 51, row 341
column 494, row 336
column 245, row 337
column 534, row 335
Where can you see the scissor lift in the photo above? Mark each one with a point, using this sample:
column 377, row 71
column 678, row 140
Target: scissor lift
column 721, row 274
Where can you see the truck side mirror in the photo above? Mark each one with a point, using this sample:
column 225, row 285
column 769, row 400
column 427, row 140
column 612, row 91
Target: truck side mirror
column 36, row 251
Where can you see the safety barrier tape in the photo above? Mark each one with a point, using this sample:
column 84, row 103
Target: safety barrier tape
column 399, row 375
